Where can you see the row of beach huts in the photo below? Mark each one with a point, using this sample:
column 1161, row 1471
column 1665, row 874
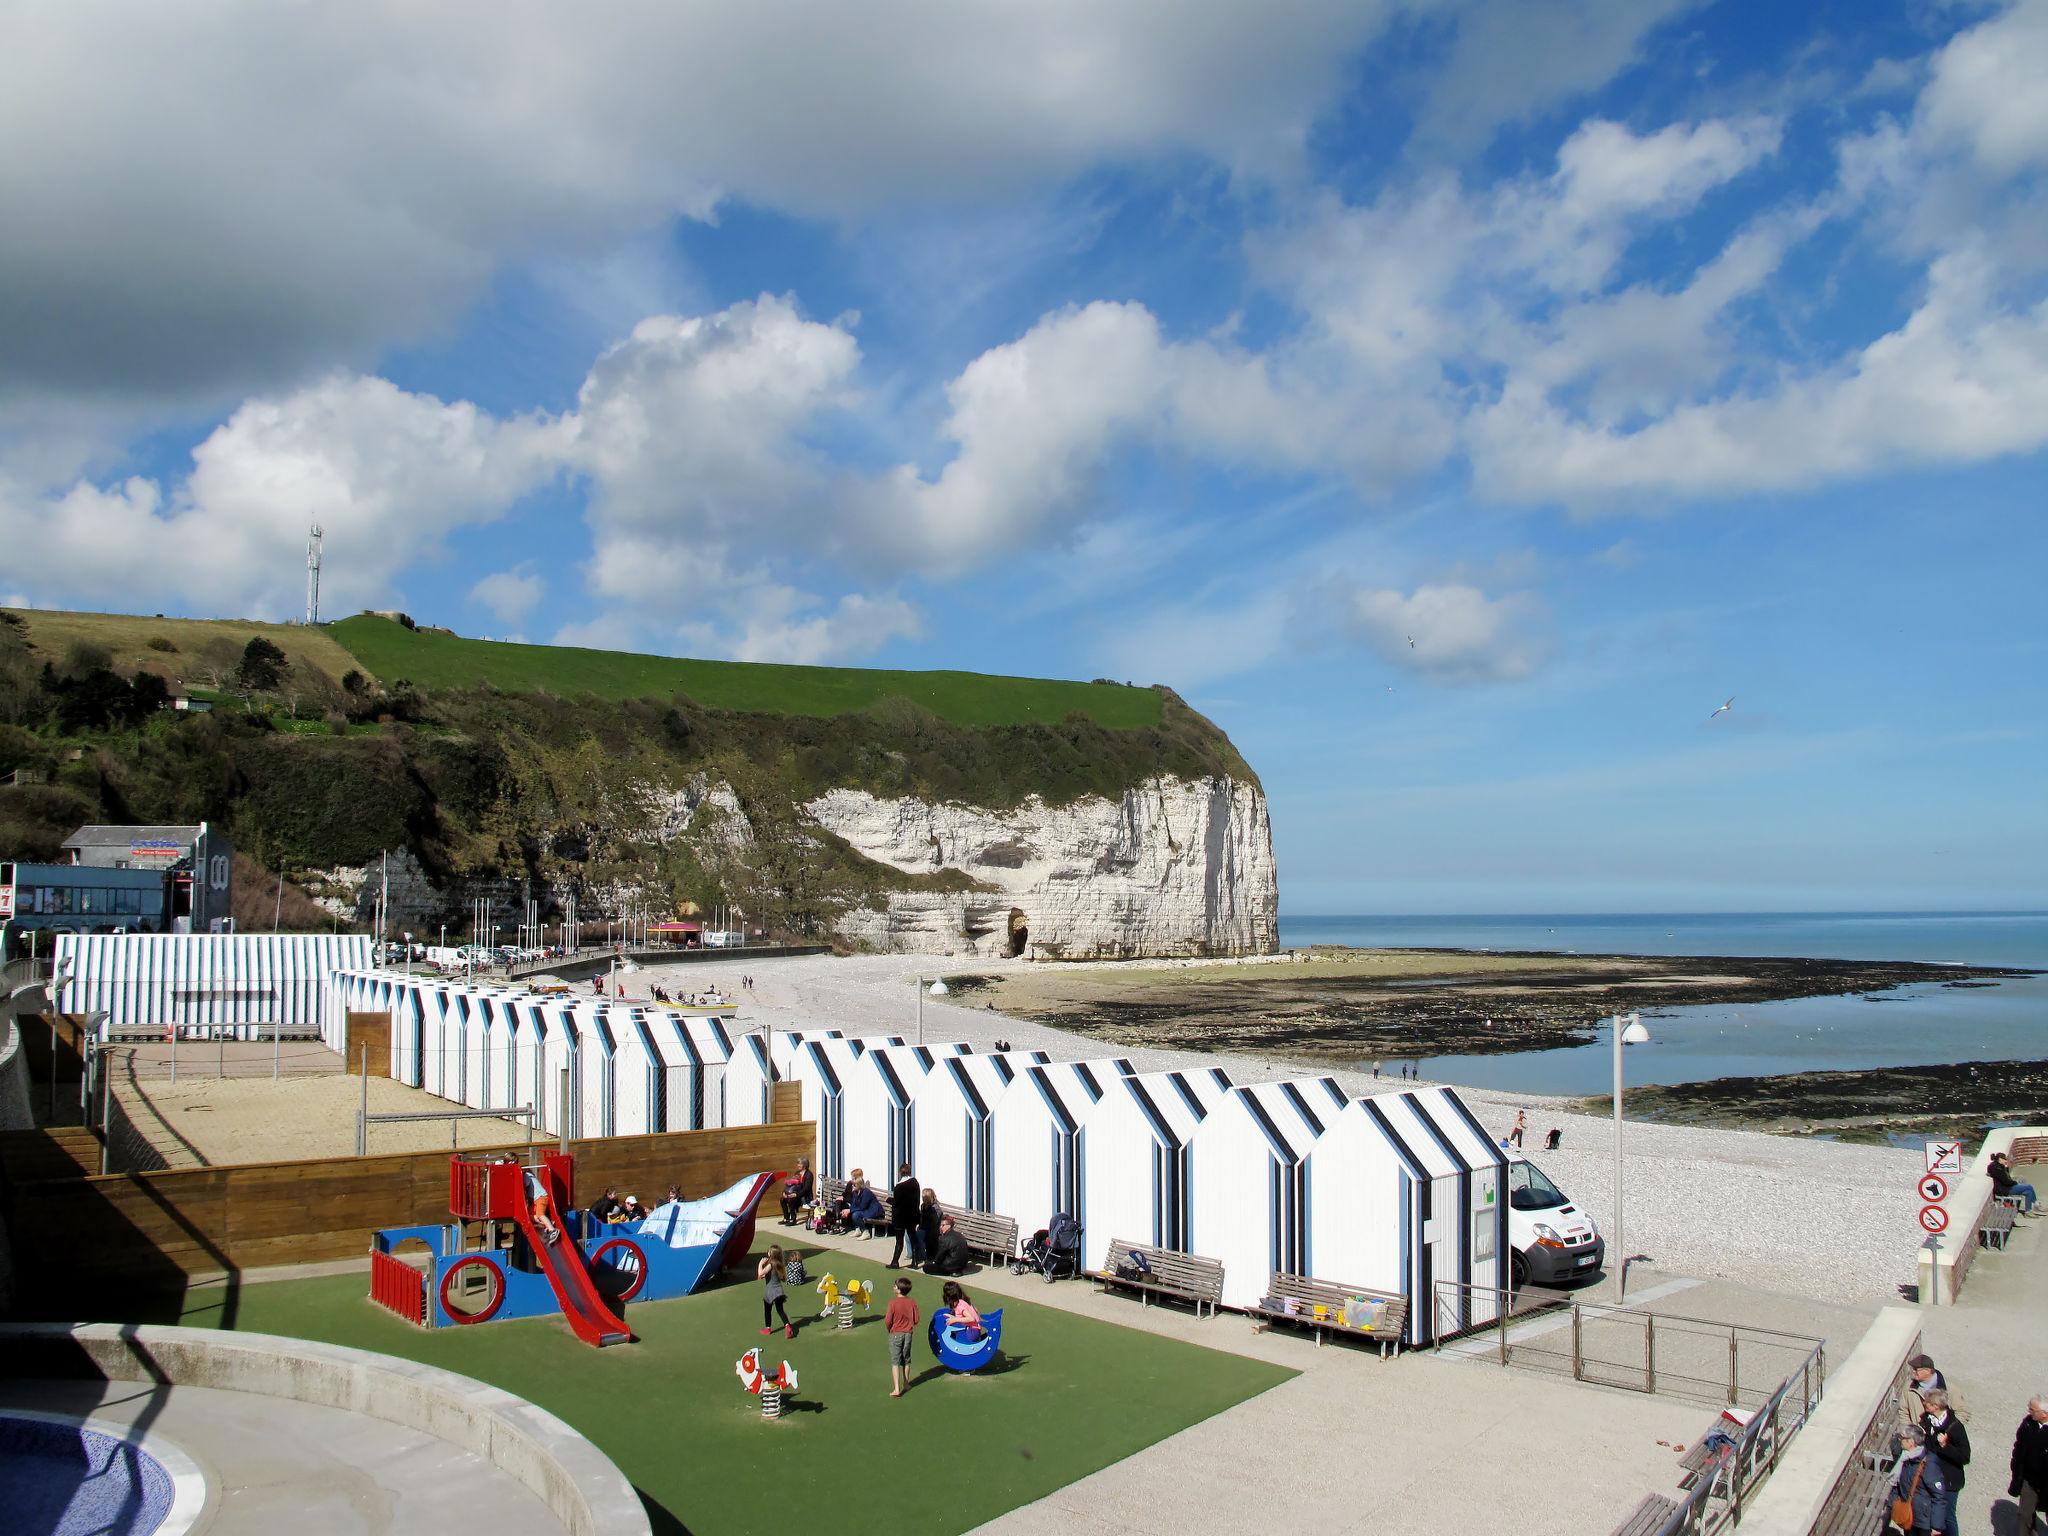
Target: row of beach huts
column 1397, row 1191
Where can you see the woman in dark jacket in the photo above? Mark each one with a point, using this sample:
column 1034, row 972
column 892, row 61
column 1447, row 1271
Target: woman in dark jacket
column 1922, row 1482
column 928, row 1222
column 904, row 1218
column 2030, row 1461
column 797, row 1190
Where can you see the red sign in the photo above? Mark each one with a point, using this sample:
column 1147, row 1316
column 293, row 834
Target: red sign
column 6, row 901
column 1934, row 1189
column 1933, row 1218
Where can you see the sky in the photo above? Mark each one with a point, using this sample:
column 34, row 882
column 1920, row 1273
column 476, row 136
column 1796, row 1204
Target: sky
column 1455, row 401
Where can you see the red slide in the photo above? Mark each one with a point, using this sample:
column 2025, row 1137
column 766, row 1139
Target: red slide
column 593, row 1321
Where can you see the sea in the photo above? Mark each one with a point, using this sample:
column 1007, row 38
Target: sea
column 1919, row 1025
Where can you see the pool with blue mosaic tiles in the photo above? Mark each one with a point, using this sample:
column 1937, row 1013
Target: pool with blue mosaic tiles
column 73, row 1480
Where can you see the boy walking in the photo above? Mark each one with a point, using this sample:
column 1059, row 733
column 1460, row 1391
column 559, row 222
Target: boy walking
column 900, row 1318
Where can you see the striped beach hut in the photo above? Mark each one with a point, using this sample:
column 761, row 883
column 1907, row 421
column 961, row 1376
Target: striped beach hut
column 1254, row 1170
column 245, row 986
column 825, row 1068
column 1139, row 1172
column 1040, row 1141
column 353, row 991
column 759, row 1060
column 953, row 1149
column 694, row 1051
column 1409, row 1197
column 879, row 1105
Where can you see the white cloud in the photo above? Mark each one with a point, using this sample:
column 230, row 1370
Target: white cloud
column 233, row 195
column 387, row 474
column 1449, row 632
column 510, row 595
column 1507, row 62
column 1986, row 90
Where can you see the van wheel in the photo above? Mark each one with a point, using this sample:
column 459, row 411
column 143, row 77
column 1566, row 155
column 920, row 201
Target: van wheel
column 1518, row 1270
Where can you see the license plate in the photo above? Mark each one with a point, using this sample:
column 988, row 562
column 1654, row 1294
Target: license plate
column 1582, row 1263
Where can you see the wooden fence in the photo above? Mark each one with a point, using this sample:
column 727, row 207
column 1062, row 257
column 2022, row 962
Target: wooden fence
column 157, row 1230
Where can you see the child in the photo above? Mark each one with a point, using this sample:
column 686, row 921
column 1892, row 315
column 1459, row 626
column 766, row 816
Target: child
column 773, row 1297
column 965, row 1318
column 900, row 1318
column 549, row 1232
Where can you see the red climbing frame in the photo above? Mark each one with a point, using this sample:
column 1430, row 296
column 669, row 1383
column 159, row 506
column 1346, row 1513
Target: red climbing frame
column 397, row 1285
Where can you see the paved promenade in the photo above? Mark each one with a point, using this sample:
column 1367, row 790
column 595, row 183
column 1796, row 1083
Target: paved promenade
column 1992, row 1345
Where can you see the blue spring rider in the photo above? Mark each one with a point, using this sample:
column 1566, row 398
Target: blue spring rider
column 955, row 1350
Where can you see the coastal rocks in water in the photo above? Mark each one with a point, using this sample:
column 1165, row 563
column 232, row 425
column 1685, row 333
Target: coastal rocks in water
column 1172, row 867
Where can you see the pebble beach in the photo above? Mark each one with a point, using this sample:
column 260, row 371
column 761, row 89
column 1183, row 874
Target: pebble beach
column 1824, row 1221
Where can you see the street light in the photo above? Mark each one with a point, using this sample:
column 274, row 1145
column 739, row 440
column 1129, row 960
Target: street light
column 1628, row 1030
column 938, row 989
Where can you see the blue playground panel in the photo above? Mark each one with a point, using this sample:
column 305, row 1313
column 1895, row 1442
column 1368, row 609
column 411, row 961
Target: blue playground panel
column 956, row 1352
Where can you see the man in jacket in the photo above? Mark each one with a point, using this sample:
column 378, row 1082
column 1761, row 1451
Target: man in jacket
column 2030, row 1462
column 1948, row 1445
column 903, row 1215
column 949, row 1254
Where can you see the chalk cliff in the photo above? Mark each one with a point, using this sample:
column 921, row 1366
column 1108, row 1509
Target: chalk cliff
column 1170, row 867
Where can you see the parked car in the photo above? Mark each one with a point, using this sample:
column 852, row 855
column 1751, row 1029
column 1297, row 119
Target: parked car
column 1552, row 1239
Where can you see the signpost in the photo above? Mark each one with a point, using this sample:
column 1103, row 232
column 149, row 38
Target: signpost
column 1944, row 1162
column 1933, row 1219
column 1945, row 1157
column 1934, row 1189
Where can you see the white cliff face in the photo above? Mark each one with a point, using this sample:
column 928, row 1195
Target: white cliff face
column 1174, row 867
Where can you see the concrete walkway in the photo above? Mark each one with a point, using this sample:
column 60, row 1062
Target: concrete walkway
column 1993, row 1349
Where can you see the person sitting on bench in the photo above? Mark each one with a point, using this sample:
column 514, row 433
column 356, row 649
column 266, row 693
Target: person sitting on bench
column 797, row 1190
column 863, row 1208
column 2005, row 1185
column 950, row 1255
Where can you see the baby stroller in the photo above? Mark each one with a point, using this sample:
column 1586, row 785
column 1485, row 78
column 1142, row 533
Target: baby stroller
column 1054, row 1251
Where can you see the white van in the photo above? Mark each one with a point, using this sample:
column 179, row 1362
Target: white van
column 1553, row 1240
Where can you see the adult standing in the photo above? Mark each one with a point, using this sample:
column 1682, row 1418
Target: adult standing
column 928, row 1217
column 1521, row 1129
column 1948, row 1443
column 904, row 1217
column 1922, row 1484
column 2030, row 1462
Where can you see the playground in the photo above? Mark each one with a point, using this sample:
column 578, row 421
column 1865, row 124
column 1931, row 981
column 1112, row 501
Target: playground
column 1068, row 1396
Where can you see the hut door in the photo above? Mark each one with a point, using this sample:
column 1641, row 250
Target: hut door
column 1289, row 1215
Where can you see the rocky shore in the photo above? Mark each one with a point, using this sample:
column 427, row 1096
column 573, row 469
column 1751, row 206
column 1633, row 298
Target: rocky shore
column 1343, row 1006
column 1961, row 1098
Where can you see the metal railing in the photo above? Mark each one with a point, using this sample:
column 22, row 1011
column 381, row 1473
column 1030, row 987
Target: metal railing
column 1861, row 1491
column 1632, row 1348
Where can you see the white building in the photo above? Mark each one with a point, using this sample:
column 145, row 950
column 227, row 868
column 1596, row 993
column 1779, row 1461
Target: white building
column 1409, row 1192
column 1040, row 1142
column 953, row 1148
column 1254, row 1164
column 246, row 986
column 1139, row 1171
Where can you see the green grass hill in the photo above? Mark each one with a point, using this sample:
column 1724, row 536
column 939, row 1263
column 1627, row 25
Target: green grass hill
column 433, row 659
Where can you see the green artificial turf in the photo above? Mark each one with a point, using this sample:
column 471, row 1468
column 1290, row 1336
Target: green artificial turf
column 1068, row 1395
column 438, row 661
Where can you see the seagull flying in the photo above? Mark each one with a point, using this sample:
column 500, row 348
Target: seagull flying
column 1724, row 708
column 1411, row 642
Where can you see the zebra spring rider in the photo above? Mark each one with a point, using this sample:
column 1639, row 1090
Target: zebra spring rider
column 769, row 1389
column 843, row 1297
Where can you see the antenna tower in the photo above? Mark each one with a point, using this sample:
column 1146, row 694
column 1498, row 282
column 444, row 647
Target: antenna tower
column 313, row 576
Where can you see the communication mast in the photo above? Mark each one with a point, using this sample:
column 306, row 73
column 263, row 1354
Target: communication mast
column 313, row 576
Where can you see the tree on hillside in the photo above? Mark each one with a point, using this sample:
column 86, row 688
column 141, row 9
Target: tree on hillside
column 262, row 668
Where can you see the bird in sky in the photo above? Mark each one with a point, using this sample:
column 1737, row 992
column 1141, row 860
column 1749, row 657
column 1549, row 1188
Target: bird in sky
column 1411, row 642
column 1723, row 709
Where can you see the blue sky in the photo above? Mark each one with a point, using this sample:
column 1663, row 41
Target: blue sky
column 1456, row 401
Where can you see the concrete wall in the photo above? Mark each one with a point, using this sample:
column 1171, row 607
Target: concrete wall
column 577, row 1481
column 1942, row 1273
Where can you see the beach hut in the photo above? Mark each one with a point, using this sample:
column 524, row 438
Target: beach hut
column 825, row 1067
column 246, row 986
column 695, row 1050
column 953, row 1148
column 354, row 991
column 879, row 1114
column 1139, row 1173
column 1253, row 1164
column 1039, row 1140
column 1408, row 1197
column 750, row 1078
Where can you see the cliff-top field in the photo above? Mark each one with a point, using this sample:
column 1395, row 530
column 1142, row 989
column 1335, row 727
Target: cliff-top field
column 428, row 659
column 388, row 651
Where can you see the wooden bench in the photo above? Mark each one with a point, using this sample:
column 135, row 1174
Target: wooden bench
column 2028, row 1149
column 1182, row 1276
column 1994, row 1227
column 832, row 1192
column 1308, row 1293
column 1702, row 1459
column 1648, row 1518
column 984, row 1231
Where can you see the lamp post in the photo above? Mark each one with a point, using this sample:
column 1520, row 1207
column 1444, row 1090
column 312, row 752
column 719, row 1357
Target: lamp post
column 938, row 989
column 1628, row 1030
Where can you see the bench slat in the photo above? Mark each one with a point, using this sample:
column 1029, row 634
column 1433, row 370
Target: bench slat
column 1648, row 1517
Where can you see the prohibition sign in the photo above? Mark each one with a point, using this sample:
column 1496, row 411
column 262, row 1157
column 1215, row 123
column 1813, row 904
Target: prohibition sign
column 1933, row 1188
column 1933, row 1218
